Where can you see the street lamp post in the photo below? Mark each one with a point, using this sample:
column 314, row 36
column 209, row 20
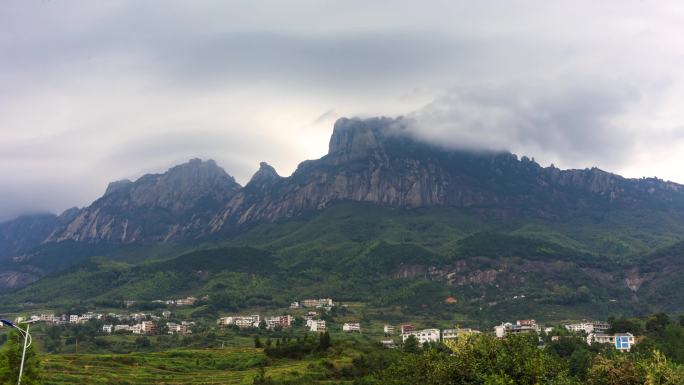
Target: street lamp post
column 27, row 342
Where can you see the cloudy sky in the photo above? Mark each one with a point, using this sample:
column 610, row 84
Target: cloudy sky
column 93, row 91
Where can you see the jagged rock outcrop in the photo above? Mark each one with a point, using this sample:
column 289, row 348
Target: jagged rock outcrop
column 378, row 161
column 154, row 208
column 369, row 160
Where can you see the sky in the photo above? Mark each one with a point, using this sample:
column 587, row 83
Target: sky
column 96, row 91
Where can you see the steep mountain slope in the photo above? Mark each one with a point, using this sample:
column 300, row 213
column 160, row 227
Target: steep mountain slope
column 418, row 193
column 411, row 259
column 378, row 161
column 154, row 208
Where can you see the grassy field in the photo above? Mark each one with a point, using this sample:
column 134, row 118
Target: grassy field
column 206, row 366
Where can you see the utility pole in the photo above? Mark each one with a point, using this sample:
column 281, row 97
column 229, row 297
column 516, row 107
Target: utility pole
column 23, row 354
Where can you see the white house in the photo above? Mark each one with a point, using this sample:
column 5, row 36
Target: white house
column 320, row 302
column 588, row 327
column 351, row 327
column 621, row 341
column 242, row 322
column 521, row 326
column 122, row 327
column 284, row 321
column 388, row 330
column 317, row 326
column 173, row 328
column 449, row 334
column 423, row 336
column 107, row 329
column 295, row 305
column 73, row 318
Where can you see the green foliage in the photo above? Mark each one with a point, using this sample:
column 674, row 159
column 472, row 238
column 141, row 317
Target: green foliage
column 324, row 342
column 570, row 267
column 411, row 345
column 10, row 362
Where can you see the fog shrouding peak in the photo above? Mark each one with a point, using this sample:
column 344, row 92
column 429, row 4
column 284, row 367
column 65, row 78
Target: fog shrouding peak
column 94, row 92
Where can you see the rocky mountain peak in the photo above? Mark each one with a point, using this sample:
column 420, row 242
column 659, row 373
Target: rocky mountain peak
column 265, row 175
column 117, row 186
column 355, row 137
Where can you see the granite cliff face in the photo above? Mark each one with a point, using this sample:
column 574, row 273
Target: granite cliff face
column 154, row 208
column 378, row 161
column 373, row 160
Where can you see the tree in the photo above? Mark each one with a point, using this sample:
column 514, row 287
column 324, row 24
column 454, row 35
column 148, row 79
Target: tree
column 411, row 345
column 142, row 342
column 261, row 379
column 624, row 325
column 262, row 325
column 10, row 361
column 324, row 342
column 657, row 323
column 257, row 342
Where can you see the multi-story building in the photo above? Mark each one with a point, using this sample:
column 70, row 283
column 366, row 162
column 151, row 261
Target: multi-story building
column 589, row 327
column 448, row 334
column 521, row 326
column 148, row 327
column 284, row 321
column 388, row 330
column 407, row 328
column 295, row 305
column 621, row 341
column 173, row 328
column 422, row 336
column 321, row 302
column 351, row 327
column 317, row 326
column 243, row 322
column 107, row 329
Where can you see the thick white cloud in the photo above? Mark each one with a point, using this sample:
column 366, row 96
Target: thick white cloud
column 96, row 91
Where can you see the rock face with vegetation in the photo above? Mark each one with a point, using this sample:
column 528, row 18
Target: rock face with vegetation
column 154, row 208
column 374, row 160
column 382, row 217
column 379, row 161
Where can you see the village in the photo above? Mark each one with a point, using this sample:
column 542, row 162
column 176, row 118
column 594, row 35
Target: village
column 309, row 316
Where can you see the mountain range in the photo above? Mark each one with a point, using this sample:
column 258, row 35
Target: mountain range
column 491, row 206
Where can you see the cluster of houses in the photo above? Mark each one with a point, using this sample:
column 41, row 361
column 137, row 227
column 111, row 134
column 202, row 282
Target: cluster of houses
column 149, row 327
column 144, row 323
column 144, row 327
column 62, row 319
column 325, row 303
column 595, row 331
column 85, row 317
column 253, row 321
column 427, row 335
column 188, row 301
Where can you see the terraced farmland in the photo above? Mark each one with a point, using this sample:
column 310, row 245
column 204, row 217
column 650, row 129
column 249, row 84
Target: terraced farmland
column 217, row 366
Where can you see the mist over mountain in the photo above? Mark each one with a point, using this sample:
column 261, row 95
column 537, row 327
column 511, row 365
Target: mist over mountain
column 375, row 160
